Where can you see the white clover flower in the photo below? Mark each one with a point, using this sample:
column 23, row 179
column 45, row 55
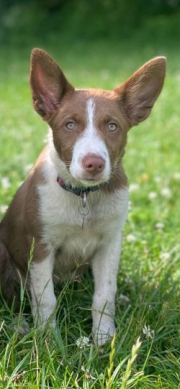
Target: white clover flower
column 5, row 182
column 164, row 256
column 166, row 192
column 128, row 281
column 176, row 176
column 83, row 342
column 124, row 298
column 130, row 238
column 152, row 195
column 157, row 179
column 159, row 225
column 148, row 332
column 134, row 187
column 3, row 208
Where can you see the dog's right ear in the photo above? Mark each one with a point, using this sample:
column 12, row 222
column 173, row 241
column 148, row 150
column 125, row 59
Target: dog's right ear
column 48, row 84
column 142, row 89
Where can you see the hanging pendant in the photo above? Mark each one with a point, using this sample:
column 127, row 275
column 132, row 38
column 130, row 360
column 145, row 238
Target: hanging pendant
column 83, row 210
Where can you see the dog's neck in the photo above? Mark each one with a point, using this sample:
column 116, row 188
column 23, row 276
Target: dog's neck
column 78, row 191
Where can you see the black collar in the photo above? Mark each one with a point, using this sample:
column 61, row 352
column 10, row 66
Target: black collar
column 77, row 191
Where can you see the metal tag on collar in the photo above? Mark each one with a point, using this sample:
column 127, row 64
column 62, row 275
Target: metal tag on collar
column 84, row 199
column 83, row 210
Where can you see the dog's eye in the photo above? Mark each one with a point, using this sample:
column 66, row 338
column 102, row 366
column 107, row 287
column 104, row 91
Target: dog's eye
column 70, row 125
column 112, row 127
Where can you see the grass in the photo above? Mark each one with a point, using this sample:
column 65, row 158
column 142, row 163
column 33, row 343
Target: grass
column 147, row 304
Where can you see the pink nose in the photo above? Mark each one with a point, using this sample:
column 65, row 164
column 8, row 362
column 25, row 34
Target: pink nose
column 93, row 164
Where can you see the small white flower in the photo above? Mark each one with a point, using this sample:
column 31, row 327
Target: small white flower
column 176, row 176
column 159, row 225
column 166, row 192
column 152, row 195
column 124, row 298
column 148, row 332
column 82, row 342
column 3, row 208
column 130, row 238
column 157, row 179
column 128, row 281
column 101, row 376
column 134, row 187
column 164, row 256
column 5, row 182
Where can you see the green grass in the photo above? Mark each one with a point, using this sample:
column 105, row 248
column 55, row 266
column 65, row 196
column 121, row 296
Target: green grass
column 148, row 282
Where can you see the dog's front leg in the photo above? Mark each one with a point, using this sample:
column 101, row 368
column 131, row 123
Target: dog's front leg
column 105, row 268
column 42, row 290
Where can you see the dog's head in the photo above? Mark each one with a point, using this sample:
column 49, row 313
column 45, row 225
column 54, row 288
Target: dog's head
column 90, row 126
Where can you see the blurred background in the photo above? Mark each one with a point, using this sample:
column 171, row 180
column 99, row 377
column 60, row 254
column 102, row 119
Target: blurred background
column 113, row 27
column 45, row 21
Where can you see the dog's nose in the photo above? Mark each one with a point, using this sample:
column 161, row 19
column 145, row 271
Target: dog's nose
column 93, row 164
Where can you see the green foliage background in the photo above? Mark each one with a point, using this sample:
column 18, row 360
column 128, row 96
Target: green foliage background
column 83, row 19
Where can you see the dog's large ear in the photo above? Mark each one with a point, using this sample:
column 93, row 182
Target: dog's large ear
column 48, row 83
column 139, row 93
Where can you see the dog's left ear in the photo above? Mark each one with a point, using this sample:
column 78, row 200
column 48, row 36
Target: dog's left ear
column 48, row 84
column 139, row 93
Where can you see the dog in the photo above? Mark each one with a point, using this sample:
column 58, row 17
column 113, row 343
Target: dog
column 74, row 202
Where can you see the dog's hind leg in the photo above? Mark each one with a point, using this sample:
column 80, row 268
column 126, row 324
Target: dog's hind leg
column 9, row 280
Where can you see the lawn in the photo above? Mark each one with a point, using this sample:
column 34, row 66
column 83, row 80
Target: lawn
column 148, row 298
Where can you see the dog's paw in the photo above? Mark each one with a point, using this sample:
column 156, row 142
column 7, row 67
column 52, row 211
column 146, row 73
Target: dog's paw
column 103, row 333
column 20, row 325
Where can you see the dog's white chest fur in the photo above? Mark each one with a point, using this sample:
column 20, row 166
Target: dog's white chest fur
column 73, row 241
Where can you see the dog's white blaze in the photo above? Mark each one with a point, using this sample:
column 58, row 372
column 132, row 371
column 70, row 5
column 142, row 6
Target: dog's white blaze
column 90, row 108
column 90, row 142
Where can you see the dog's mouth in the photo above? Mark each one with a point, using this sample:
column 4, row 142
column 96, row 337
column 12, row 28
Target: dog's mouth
column 90, row 182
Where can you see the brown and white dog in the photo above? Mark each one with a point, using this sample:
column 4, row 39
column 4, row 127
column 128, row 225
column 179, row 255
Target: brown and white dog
column 74, row 202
